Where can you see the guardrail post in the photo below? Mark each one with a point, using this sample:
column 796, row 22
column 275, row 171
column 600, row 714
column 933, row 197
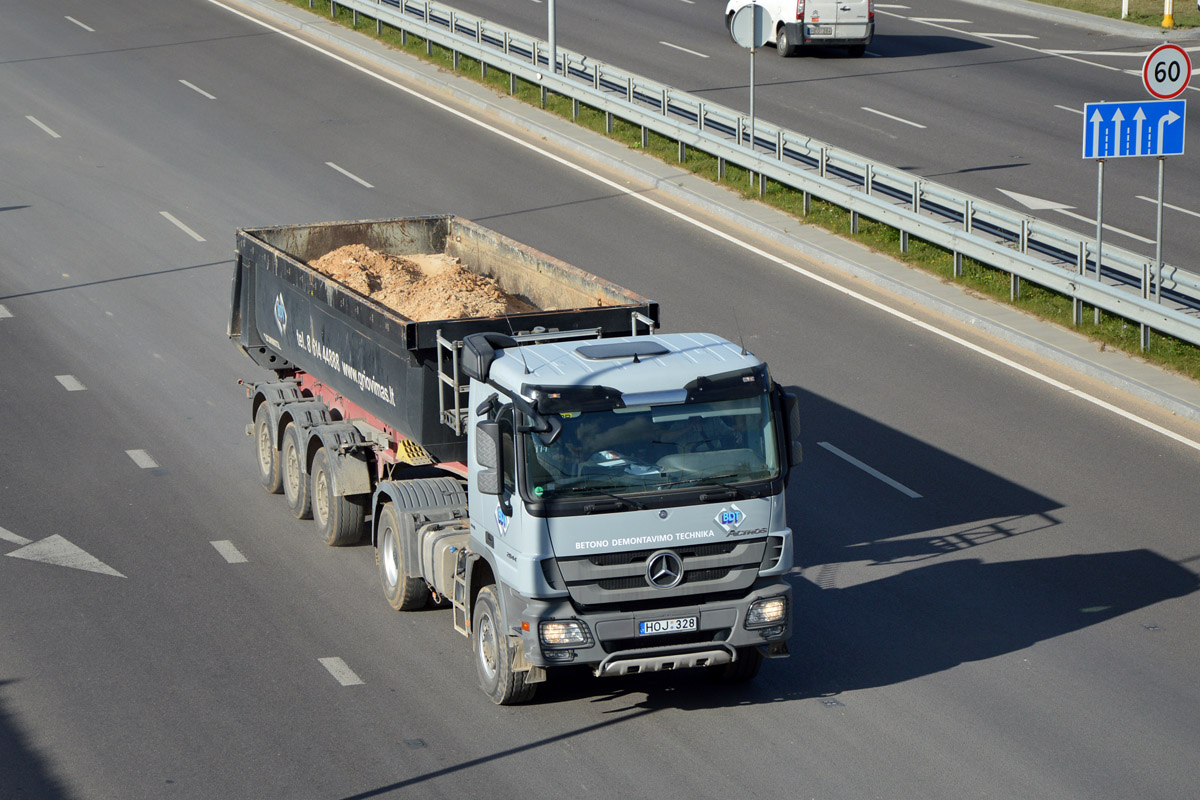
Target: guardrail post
column 332, row 9
column 762, row 184
column 645, row 137
column 379, row 26
column 700, row 117
column 868, row 178
column 354, row 18
column 629, row 89
column 720, row 168
column 665, row 102
column 1080, row 268
column 779, row 144
column 916, row 194
column 807, row 202
column 823, row 156
column 608, row 122
column 574, row 108
column 682, row 151
column 957, row 264
column 968, row 211
column 853, row 222
column 903, row 241
column 1014, row 287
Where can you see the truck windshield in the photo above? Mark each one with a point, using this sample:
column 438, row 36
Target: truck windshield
column 655, row 449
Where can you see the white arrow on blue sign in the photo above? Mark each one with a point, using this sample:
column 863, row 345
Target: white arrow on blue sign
column 1119, row 130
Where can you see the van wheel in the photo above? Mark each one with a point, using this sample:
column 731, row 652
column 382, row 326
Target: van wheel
column 402, row 592
column 295, row 482
column 783, row 43
column 493, row 656
column 856, row 50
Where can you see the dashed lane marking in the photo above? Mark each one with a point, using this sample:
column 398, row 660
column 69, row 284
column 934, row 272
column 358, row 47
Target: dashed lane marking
column 42, row 125
column 9, row 536
column 197, row 89
column 683, row 49
column 874, row 473
column 167, row 215
column 348, row 174
column 1180, row 209
column 142, row 459
column 80, row 24
column 229, row 552
column 70, row 383
column 889, row 116
column 342, row 673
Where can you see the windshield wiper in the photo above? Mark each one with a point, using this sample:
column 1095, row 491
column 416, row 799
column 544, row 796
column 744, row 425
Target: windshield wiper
column 621, row 498
column 715, row 480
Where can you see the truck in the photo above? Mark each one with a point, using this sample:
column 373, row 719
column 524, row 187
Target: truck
column 577, row 487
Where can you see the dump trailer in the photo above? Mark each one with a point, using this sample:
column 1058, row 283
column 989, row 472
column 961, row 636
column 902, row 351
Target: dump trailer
column 576, row 488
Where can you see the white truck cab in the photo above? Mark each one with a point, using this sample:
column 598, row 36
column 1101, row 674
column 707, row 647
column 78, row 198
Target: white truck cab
column 795, row 23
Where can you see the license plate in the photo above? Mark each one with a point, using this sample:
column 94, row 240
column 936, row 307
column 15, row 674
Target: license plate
column 822, row 30
column 676, row 625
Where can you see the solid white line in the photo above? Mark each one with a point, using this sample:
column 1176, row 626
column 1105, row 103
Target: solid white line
column 196, row 88
column 4, row 313
column 1107, row 227
column 941, row 21
column 724, row 236
column 872, row 472
column 1007, row 35
column 9, row 536
column 70, row 383
column 42, row 125
column 683, row 49
column 142, row 459
column 889, row 116
column 1168, row 205
column 882, row 5
column 229, row 552
column 1078, row 111
column 80, row 24
column 338, row 669
column 171, row 218
column 349, row 175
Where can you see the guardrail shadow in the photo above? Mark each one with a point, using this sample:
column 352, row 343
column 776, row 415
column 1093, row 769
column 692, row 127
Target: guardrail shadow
column 23, row 773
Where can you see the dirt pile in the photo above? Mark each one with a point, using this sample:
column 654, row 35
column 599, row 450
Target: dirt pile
column 420, row 286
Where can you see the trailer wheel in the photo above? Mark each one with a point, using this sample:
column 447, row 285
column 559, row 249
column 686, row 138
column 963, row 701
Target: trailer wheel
column 749, row 659
column 402, row 592
column 493, row 657
column 268, row 455
column 295, row 485
column 339, row 519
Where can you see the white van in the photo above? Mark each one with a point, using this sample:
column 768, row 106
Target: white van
column 841, row 23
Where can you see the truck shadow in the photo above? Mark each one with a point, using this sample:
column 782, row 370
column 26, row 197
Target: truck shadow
column 24, row 772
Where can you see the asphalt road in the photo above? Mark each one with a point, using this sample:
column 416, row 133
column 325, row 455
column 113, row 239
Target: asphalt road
column 1025, row 625
column 970, row 95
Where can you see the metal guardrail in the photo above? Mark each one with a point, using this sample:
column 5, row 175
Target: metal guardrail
column 1127, row 284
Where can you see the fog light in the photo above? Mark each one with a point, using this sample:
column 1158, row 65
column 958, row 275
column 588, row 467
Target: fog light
column 765, row 612
column 564, row 633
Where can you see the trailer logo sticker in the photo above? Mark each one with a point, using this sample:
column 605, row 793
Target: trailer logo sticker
column 280, row 315
column 730, row 518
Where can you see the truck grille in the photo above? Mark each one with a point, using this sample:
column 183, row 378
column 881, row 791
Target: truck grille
column 617, row 579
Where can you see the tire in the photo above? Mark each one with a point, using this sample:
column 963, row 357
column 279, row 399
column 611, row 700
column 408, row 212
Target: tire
column 743, row 670
column 857, row 50
column 493, row 655
column 402, row 592
column 339, row 519
column 783, row 43
column 295, row 482
column 267, row 453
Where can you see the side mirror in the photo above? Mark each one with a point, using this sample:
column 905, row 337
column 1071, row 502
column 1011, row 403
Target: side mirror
column 791, row 414
column 487, row 457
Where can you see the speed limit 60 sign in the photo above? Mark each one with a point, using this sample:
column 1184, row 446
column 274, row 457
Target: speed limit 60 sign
column 1167, row 71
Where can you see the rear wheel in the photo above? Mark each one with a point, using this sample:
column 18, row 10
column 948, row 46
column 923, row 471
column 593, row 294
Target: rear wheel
column 402, row 592
column 493, row 654
column 339, row 519
column 268, row 453
column 783, row 43
column 295, row 483
column 743, row 670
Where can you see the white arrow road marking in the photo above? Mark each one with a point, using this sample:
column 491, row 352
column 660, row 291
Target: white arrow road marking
column 229, row 552
column 70, row 383
column 1181, row 209
column 338, row 669
column 874, row 473
column 1037, row 204
column 9, row 536
column 58, row 551
column 4, row 313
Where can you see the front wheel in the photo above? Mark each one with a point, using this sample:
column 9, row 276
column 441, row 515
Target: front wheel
column 493, row 655
column 339, row 519
column 295, row 483
column 743, row 670
column 402, row 592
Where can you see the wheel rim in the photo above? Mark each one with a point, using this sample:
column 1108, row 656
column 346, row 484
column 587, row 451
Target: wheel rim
column 265, row 447
column 321, row 501
column 391, row 557
column 487, row 646
column 292, row 462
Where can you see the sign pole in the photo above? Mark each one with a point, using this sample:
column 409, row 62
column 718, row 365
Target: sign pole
column 1158, row 234
column 1099, row 226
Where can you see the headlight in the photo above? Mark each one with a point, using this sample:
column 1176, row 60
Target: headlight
column 769, row 611
column 564, row 633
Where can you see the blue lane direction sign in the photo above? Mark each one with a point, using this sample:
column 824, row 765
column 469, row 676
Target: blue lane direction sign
column 1119, row 130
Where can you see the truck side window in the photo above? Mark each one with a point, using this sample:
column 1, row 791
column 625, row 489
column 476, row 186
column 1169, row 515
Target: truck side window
column 508, row 456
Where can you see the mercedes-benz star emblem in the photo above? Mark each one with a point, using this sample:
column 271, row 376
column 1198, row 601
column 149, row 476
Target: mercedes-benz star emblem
column 664, row 570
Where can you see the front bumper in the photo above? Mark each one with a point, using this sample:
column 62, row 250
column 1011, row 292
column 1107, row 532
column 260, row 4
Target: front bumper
column 614, row 646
